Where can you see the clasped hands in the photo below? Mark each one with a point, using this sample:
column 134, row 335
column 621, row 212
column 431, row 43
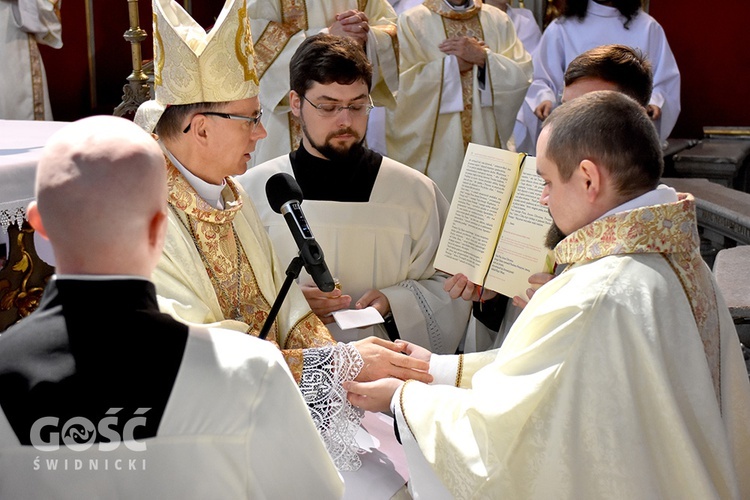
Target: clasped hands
column 373, row 391
column 469, row 51
column 351, row 23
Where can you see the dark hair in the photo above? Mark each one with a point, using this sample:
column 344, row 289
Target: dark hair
column 579, row 8
column 611, row 130
column 326, row 59
column 171, row 122
column 623, row 66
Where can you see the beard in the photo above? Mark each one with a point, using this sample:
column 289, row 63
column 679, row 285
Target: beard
column 337, row 153
column 554, row 236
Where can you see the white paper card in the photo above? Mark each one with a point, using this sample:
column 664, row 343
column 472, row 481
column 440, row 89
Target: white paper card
column 357, row 318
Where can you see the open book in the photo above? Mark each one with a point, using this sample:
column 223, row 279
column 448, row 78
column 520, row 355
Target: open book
column 496, row 226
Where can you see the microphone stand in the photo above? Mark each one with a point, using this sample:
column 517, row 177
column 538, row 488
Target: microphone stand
column 292, row 272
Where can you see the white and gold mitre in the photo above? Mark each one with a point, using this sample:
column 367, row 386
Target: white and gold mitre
column 192, row 66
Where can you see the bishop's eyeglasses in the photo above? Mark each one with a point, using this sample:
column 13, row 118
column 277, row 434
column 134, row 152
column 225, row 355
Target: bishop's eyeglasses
column 330, row 109
column 254, row 120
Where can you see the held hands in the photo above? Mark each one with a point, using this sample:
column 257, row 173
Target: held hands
column 324, row 303
column 401, row 360
column 468, row 50
column 543, row 110
column 351, row 23
column 372, row 396
column 377, row 395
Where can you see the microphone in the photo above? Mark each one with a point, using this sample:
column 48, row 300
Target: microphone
column 285, row 196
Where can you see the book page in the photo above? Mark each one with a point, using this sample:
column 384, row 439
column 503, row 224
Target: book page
column 484, row 189
column 520, row 251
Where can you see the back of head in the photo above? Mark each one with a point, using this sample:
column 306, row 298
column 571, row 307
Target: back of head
column 623, row 66
column 99, row 182
column 611, row 130
column 327, row 59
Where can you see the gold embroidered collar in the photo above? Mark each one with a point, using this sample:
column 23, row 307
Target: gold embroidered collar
column 185, row 198
column 668, row 229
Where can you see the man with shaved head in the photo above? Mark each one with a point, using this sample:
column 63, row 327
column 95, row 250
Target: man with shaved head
column 104, row 396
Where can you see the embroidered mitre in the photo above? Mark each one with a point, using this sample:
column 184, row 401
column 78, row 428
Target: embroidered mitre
column 192, row 66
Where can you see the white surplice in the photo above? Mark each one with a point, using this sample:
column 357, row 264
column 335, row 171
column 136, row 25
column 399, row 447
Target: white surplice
column 387, row 243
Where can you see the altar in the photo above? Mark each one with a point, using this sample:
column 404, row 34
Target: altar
column 26, row 260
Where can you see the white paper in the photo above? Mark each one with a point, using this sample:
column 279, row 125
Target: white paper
column 357, row 318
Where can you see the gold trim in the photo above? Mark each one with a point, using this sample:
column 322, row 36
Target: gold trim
column 460, row 370
column 276, row 36
column 160, row 49
column 435, row 121
column 91, row 52
column 37, row 82
column 243, row 46
column 401, row 405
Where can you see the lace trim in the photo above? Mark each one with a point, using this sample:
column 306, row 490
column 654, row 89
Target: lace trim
column 324, row 370
column 11, row 216
column 434, row 333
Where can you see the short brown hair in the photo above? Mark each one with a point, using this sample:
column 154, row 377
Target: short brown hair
column 621, row 65
column 170, row 124
column 325, row 59
column 611, row 130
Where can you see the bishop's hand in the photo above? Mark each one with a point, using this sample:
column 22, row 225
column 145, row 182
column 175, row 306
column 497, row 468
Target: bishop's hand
column 383, row 359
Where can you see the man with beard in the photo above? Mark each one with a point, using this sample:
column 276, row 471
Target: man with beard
column 622, row 377
column 378, row 221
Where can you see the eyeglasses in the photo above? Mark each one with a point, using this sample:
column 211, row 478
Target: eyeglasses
column 255, row 120
column 328, row 110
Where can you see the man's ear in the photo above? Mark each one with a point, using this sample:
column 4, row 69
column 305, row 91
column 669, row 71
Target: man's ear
column 198, row 127
column 591, row 176
column 35, row 219
column 157, row 229
column 295, row 101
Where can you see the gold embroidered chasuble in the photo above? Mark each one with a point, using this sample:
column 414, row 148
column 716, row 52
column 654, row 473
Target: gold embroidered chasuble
column 626, row 365
column 197, row 278
column 671, row 231
column 463, row 23
column 426, row 130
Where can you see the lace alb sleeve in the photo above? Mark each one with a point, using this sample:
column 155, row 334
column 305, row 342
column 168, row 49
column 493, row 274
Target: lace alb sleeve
column 324, row 370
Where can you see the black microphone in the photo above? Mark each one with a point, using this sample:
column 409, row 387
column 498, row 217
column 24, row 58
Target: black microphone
column 285, row 196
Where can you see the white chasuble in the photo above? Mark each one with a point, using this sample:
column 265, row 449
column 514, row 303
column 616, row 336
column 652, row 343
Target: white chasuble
column 622, row 378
